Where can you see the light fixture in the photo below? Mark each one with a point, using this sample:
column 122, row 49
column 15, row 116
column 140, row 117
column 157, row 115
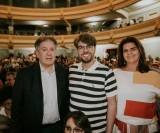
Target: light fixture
column 45, row 26
column 93, row 24
column 44, row 1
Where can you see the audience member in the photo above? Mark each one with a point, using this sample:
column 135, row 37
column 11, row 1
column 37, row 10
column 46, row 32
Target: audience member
column 77, row 122
column 7, row 65
column 10, row 78
column 16, row 68
column 105, row 54
column 138, row 86
column 15, row 63
column 6, row 100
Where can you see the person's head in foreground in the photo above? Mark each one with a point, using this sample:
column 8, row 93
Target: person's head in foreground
column 131, row 54
column 77, row 122
column 6, row 125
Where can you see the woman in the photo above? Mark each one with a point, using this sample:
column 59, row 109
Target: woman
column 6, row 125
column 138, row 86
column 77, row 122
column 6, row 100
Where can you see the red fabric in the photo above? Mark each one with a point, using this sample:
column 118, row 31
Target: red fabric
column 121, row 126
column 140, row 109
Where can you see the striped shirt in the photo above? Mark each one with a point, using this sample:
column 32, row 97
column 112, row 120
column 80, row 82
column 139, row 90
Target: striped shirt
column 89, row 91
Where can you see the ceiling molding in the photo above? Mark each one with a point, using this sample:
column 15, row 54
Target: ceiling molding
column 144, row 9
column 101, row 7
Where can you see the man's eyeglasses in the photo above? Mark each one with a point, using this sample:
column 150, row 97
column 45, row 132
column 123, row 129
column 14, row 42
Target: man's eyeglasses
column 82, row 48
column 68, row 129
column 7, row 104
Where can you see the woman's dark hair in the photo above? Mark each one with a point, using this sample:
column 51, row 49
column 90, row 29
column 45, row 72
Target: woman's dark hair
column 42, row 39
column 85, row 38
column 80, row 120
column 142, row 65
column 6, row 124
column 6, row 93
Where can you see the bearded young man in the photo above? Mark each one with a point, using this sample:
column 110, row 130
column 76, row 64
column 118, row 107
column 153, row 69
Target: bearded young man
column 92, row 87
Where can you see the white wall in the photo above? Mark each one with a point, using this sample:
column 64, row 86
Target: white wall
column 145, row 11
column 151, row 46
column 152, row 49
column 3, row 53
column 74, row 52
column 25, row 52
column 100, row 49
column 61, row 51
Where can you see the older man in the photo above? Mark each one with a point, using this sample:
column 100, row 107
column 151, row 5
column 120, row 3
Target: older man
column 40, row 97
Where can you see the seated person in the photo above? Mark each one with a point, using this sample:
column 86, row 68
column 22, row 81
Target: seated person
column 78, row 122
column 6, row 100
column 6, row 125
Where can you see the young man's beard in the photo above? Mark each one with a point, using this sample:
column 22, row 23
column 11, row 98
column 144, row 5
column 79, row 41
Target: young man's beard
column 88, row 60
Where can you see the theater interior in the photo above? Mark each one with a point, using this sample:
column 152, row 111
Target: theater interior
column 109, row 21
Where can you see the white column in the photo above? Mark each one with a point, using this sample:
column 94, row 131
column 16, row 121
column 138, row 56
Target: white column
column 77, row 2
column 10, row 2
column 69, row 52
column 68, row 3
column 11, row 29
column 35, row 4
column 54, row 3
column 68, row 30
column 11, row 51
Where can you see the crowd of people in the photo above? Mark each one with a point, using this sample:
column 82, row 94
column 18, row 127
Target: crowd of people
column 122, row 23
column 86, row 94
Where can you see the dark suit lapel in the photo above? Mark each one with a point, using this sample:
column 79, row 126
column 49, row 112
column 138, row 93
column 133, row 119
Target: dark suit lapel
column 37, row 82
column 58, row 78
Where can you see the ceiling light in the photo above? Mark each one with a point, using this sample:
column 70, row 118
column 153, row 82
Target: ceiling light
column 93, row 24
column 44, row 1
column 119, row 18
column 94, row 18
column 38, row 22
column 45, row 26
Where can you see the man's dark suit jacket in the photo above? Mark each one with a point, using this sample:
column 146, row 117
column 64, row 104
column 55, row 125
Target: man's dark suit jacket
column 27, row 101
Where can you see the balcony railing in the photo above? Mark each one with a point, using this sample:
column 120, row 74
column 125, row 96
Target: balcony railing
column 142, row 30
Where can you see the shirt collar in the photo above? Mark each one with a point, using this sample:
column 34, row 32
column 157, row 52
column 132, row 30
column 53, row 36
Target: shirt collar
column 43, row 70
column 92, row 68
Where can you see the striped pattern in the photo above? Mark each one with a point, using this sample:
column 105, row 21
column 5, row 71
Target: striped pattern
column 136, row 100
column 89, row 91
